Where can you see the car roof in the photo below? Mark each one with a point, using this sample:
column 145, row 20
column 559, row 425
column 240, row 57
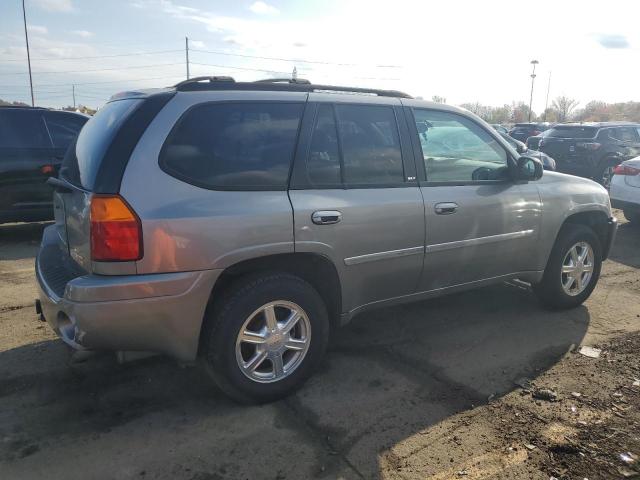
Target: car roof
column 41, row 109
column 597, row 124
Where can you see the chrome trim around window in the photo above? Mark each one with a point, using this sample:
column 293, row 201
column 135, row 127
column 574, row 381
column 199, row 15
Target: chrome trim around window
column 439, row 247
column 372, row 257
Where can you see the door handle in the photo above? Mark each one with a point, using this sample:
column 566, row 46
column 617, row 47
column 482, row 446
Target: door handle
column 326, row 217
column 445, row 208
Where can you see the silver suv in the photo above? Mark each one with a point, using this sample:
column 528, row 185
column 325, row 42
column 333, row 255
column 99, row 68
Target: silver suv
column 239, row 223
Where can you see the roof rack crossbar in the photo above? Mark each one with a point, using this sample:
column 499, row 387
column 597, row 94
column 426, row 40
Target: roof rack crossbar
column 277, row 84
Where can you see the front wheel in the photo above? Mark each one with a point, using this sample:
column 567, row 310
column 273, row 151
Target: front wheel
column 266, row 337
column 572, row 270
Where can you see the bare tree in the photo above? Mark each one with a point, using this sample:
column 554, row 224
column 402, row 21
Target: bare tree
column 564, row 106
column 438, row 99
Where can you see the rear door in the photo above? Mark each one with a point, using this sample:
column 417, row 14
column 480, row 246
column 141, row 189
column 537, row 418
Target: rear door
column 355, row 196
column 479, row 223
column 25, row 161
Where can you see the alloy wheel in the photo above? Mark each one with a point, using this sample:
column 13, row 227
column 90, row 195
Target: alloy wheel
column 273, row 341
column 577, row 269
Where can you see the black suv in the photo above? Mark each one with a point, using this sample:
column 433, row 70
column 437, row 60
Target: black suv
column 592, row 150
column 32, row 144
column 522, row 131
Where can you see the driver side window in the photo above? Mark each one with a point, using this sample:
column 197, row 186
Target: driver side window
column 455, row 149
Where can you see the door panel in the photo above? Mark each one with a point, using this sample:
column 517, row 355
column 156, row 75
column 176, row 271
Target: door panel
column 354, row 170
column 378, row 244
column 489, row 235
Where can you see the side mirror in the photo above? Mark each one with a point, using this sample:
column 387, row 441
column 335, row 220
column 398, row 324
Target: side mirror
column 521, row 148
column 528, row 169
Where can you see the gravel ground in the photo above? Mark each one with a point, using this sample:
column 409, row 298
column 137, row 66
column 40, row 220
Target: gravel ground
column 428, row 390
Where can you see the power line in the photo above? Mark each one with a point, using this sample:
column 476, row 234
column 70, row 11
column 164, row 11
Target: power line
column 296, row 60
column 240, row 68
column 95, row 70
column 97, row 56
column 102, row 82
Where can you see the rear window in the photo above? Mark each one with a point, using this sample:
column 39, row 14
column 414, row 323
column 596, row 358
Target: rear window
column 234, row 145
column 81, row 165
column 23, row 129
column 572, row 132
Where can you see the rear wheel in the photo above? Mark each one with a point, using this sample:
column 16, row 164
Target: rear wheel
column 572, row 270
column 267, row 337
column 632, row 215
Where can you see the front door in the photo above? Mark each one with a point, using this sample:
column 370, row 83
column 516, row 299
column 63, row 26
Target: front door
column 356, row 200
column 479, row 223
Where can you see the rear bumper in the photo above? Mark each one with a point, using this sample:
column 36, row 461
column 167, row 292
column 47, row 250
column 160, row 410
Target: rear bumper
column 158, row 313
column 612, row 228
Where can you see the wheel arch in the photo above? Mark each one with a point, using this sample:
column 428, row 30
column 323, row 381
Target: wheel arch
column 596, row 220
column 318, row 270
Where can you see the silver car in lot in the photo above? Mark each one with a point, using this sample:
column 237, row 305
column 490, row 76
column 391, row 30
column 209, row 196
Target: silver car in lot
column 238, row 223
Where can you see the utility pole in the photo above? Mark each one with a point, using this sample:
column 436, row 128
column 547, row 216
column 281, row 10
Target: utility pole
column 73, row 92
column 294, row 74
column 546, row 103
column 26, row 38
column 186, row 52
column 533, row 77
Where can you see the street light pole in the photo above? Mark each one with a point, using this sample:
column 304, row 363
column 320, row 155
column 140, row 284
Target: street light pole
column 546, row 103
column 186, row 52
column 533, row 77
column 26, row 38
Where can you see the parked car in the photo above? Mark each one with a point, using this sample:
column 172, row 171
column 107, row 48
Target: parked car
column 547, row 162
column 533, row 143
column 500, row 128
column 522, row 131
column 592, row 150
column 240, row 222
column 625, row 189
column 32, row 144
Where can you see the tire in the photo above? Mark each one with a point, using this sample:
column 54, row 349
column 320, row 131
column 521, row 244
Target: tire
column 245, row 307
column 632, row 215
column 550, row 291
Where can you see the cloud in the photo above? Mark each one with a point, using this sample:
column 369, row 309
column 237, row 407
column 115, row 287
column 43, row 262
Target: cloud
column 55, row 5
column 612, row 41
column 82, row 33
column 37, row 29
column 262, row 8
column 197, row 43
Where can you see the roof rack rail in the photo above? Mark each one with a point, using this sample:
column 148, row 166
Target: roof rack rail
column 209, row 79
column 300, row 81
column 277, row 84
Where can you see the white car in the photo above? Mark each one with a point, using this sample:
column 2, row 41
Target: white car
column 625, row 189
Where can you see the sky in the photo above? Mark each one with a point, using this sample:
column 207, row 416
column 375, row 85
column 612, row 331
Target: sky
column 463, row 50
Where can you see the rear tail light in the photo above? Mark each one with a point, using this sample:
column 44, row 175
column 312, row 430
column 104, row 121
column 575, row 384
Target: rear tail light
column 116, row 232
column 627, row 170
column 588, row 145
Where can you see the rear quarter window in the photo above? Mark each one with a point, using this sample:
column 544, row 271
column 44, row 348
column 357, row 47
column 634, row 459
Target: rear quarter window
column 63, row 127
column 243, row 145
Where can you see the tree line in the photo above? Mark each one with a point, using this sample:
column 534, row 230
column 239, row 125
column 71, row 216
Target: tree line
column 562, row 109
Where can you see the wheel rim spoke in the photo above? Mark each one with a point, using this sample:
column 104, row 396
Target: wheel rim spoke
column 278, row 365
column 296, row 344
column 270, row 317
column 255, row 338
column 255, row 361
column 291, row 321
